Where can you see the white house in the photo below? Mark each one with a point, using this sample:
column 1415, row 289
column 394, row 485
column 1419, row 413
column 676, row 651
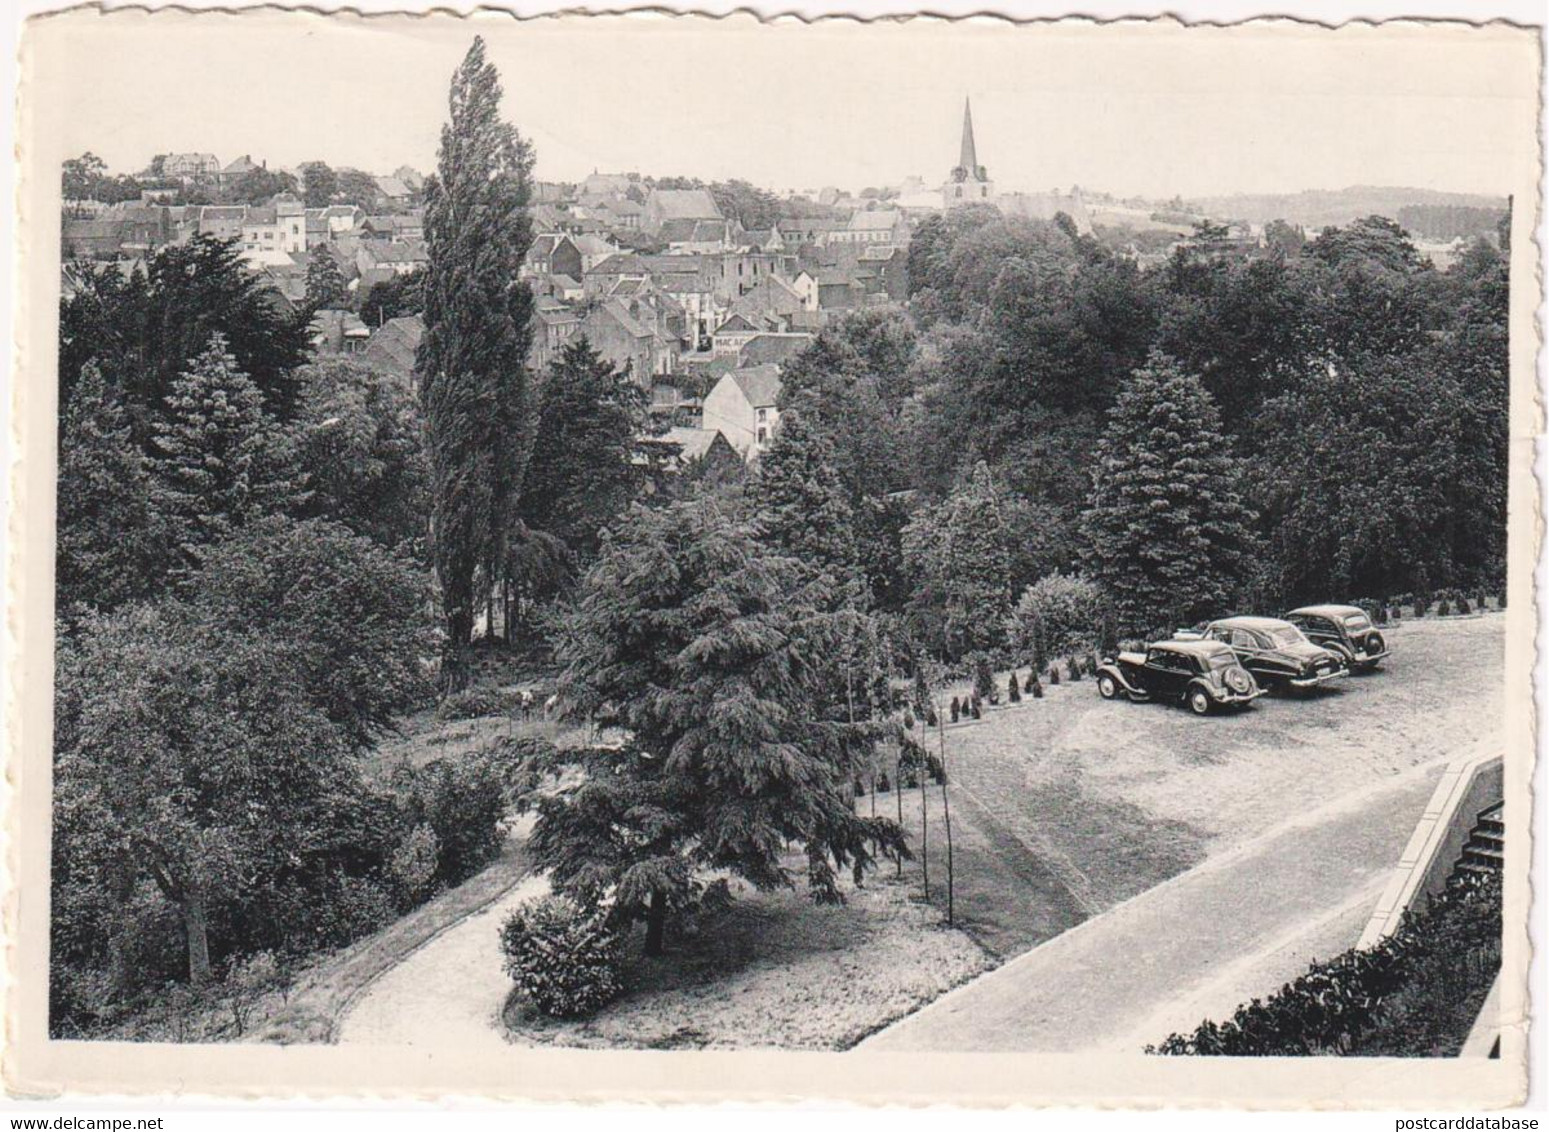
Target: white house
column 743, row 407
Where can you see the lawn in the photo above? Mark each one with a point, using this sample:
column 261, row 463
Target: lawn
column 775, row 970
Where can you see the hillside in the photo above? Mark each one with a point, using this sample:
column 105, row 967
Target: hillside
column 1318, row 208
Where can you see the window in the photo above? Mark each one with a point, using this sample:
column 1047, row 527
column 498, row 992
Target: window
column 763, row 436
column 1242, row 639
column 763, row 415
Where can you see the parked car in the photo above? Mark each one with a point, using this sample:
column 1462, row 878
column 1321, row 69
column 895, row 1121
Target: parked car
column 1275, row 651
column 1205, row 675
column 1343, row 629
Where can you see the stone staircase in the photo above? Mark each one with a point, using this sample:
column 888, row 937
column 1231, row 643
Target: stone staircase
column 1485, row 850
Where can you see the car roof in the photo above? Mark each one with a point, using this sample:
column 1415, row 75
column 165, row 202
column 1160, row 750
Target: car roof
column 1330, row 610
column 1250, row 622
column 1192, row 648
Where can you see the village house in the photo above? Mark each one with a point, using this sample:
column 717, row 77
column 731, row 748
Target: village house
column 553, row 254
column 631, row 335
column 191, row 168
column 664, row 205
column 554, row 324
column 682, row 448
column 338, row 332
column 393, row 346
column 877, row 226
column 743, row 407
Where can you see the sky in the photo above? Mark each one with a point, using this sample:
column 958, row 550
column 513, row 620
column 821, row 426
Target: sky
column 1125, row 108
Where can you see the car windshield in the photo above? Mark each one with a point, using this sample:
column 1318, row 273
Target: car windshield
column 1357, row 621
column 1285, row 635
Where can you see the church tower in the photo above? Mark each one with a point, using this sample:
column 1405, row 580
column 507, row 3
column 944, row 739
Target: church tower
column 969, row 181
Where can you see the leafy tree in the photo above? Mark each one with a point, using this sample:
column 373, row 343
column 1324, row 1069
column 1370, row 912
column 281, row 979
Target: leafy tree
column 326, row 289
column 318, row 184
column 1425, row 501
column 471, row 364
column 351, row 612
column 260, row 184
column 960, row 550
column 582, row 474
column 188, row 761
column 355, row 187
column 81, row 175
column 702, row 649
column 220, row 461
column 747, row 204
column 1166, row 531
column 360, row 441
column 110, row 547
column 800, row 501
column 394, row 298
column 144, row 330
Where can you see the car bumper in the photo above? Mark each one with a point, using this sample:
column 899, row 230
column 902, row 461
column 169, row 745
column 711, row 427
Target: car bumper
column 1321, row 678
column 1362, row 659
column 1233, row 699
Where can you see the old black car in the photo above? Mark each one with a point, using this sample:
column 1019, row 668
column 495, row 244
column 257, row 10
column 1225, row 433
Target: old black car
column 1203, row 674
column 1275, row 651
column 1343, row 629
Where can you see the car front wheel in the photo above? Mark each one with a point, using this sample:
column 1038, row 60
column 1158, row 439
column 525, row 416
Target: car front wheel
column 1107, row 686
column 1199, row 702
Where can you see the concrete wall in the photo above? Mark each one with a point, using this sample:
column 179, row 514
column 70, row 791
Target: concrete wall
column 1467, row 787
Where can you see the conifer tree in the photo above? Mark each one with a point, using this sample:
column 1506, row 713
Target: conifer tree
column 472, row 360
column 220, row 461
column 801, row 499
column 109, row 548
column 326, row 289
column 702, row 648
column 582, row 474
column 962, row 552
column 1166, row 528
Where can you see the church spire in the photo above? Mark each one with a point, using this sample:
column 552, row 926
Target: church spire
column 968, row 159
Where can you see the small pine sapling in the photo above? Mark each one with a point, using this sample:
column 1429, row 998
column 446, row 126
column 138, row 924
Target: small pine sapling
column 1032, row 678
column 957, row 710
column 974, row 707
column 1073, row 669
column 1463, row 606
column 1054, row 675
column 1037, row 688
column 1014, row 690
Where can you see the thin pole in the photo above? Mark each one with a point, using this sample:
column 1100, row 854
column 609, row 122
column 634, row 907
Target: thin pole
column 946, row 808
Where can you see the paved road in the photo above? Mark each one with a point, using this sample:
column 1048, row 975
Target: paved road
column 1189, row 947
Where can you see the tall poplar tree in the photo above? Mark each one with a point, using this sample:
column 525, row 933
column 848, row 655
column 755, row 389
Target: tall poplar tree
column 472, row 361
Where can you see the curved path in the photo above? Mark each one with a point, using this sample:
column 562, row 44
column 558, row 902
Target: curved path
column 1190, row 948
column 447, row 993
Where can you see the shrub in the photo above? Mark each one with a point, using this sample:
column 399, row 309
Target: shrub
column 908, row 720
column 1396, row 613
column 984, row 678
column 1443, row 608
column 883, row 786
column 1463, row 606
column 413, row 865
column 564, row 958
column 1054, row 675
column 1500, row 598
column 930, row 716
column 1037, row 689
column 1059, row 613
column 1013, row 690
column 247, row 982
column 475, row 703
column 974, row 708
column 957, row 710
column 1073, row 669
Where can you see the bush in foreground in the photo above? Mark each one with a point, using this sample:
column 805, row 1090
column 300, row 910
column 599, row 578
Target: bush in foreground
column 563, row 957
